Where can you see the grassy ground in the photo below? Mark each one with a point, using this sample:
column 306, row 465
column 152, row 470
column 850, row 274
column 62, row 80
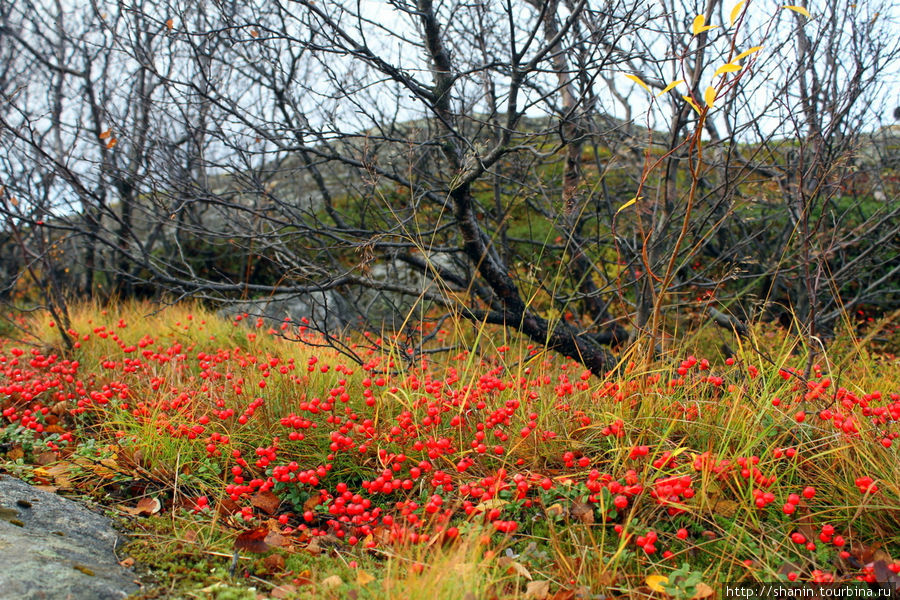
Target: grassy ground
column 509, row 473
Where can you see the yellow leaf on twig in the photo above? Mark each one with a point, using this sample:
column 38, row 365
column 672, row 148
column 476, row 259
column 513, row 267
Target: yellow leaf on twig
column 693, row 104
column 798, row 9
column 747, row 53
column 669, row 87
column 736, row 11
column 638, row 81
column 627, row 204
column 699, row 25
column 727, row 68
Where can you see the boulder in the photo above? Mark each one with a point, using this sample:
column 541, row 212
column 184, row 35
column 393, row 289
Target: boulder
column 55, row 548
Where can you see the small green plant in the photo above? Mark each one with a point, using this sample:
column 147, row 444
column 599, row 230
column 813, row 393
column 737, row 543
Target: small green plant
column 683, row 582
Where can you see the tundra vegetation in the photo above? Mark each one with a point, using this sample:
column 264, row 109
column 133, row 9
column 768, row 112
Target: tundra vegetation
column 528, row 299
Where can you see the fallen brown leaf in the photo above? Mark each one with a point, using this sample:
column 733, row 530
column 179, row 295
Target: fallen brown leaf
column 868, row 554
column 805, row 523
column 45, row 458
column 274, row 563
column 266, row 502
column 304, row 577
column 725, row 508
column 284, row 590
column 582, row 592
column 884, row 575
column 331, row 582
column 788, row 567
column 555, row 510
column 537, row 590
column 582, row 512
column 312, row 502
column 703, row 591
column 313, row 547
column 273, row 538
column 513, row 567
column 226, row 506
column 252, row 540
column 145, row 507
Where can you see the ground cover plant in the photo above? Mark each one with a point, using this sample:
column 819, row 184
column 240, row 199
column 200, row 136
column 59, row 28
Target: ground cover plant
column 247, row 465
column 581, row 299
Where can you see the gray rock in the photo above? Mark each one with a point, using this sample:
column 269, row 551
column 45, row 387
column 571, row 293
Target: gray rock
column 54, row 548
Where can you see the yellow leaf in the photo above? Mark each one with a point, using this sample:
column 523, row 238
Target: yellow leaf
column 638, row 81
column 170, row 23
column 111, row 143
column 105, row 134
column 747, row 53
column 669, row 87
column 678, row 451
column 709, row 96
column 491, row 503
column 698, row 27
column 736, row 11
column 727, row 68
column 693, row 104
column 363, row 578
column 627, row 204
column 656, row 582
column 798, row 9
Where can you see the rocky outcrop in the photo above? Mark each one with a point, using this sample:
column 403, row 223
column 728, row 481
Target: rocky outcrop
column 55, row 548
